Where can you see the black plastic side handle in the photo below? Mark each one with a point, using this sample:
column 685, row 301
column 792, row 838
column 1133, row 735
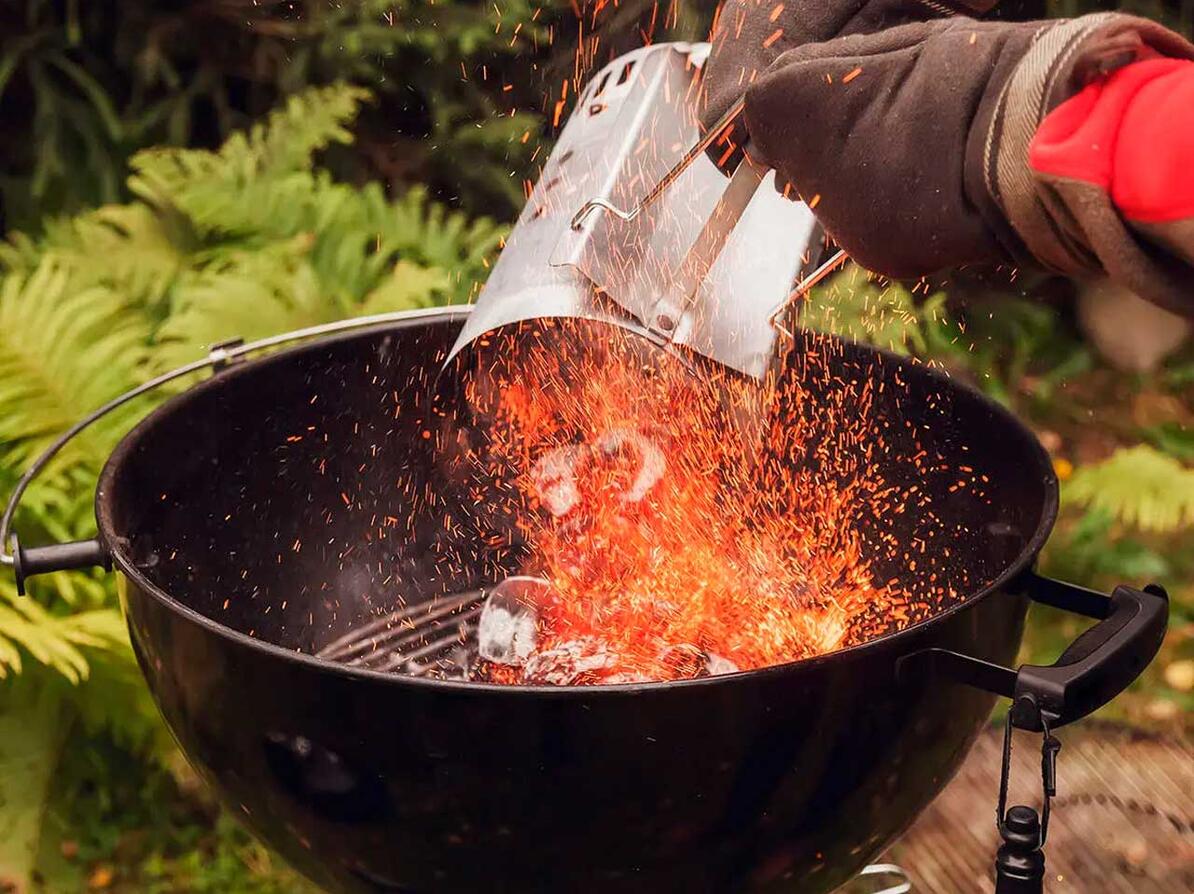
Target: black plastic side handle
column 56, row 557
column 1097, row 666
column 1103, row 661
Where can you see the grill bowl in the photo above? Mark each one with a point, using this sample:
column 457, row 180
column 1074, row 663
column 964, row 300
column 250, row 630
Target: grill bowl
column 246, row 518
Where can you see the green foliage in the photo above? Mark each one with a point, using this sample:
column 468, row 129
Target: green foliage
column 268, row 232
column 226, row 859
column 251, row 184
column 64, row 350
column 1094, row 551
column 1177, row 14
column 860, row 307
column 86, row 681
column 83, row 86
column 1139, row 487
column 190, row 262
column 464, row 87
column 58, row 641
column 1020, row 343
column 31, row 734
column 168, row 835
column 996, row 341
column 247, row 240
column 1180, row 374
column 1172, row 438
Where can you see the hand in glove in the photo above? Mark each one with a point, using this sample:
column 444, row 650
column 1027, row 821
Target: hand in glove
column 913, row 144
column 748, row 35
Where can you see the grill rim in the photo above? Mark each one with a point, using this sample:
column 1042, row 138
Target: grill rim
column 117, row 544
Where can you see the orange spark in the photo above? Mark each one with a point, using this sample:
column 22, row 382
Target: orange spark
column 638, row 506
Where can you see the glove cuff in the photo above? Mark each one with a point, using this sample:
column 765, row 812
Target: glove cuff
column 1059, row 61
column 955, row 7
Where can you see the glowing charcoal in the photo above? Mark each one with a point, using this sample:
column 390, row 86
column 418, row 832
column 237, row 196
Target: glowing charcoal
column 585, row 660
column 554, row 479
column 556, row 476
column 688, row 661
column 718, row 666
column 670, row 557
column 507, row 631
column 652, row 463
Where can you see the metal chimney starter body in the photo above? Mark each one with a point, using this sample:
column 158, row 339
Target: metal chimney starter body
column 633, row 122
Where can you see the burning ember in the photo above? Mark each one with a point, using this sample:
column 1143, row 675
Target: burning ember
column 660, row 541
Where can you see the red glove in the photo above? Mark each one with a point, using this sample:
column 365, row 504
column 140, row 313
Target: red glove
column 1122, row 150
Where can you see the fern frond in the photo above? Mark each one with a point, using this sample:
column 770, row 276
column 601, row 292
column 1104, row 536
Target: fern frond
column 265, row 294
column 57, row 641
column 63, row 351
column 248, row 241
column 430, row 233
column 1140, row 487
column 251, row 209
column 360, row 235
column 60, row 505
column 128, row 248
column 20, row 253
column 255, row 296
column 202, row 184
column 408, row 286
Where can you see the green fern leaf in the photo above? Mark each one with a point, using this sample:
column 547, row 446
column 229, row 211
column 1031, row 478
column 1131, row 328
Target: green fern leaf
column 61, row 642
column 1140, row 487
column 203, row 184
column 60, row 507
column 128, row 248
column 359, row 235
column 258, row 295
column 247, row 241
column 262, row 296
column 428, row 232
column 27, row 628
column 63, row 351
column 409, row 286
column 20, row 253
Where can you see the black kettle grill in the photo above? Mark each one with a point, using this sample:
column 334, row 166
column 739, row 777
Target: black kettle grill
column 268, row 512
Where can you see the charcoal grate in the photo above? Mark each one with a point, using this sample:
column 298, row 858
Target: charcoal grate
column 431, row 639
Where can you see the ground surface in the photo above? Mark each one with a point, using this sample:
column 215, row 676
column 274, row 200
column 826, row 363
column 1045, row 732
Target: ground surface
column 1122, row 823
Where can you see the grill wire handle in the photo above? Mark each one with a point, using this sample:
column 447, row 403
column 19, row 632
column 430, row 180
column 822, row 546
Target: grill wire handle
column 701, row 257
column 696, row 151
column 89, row 553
